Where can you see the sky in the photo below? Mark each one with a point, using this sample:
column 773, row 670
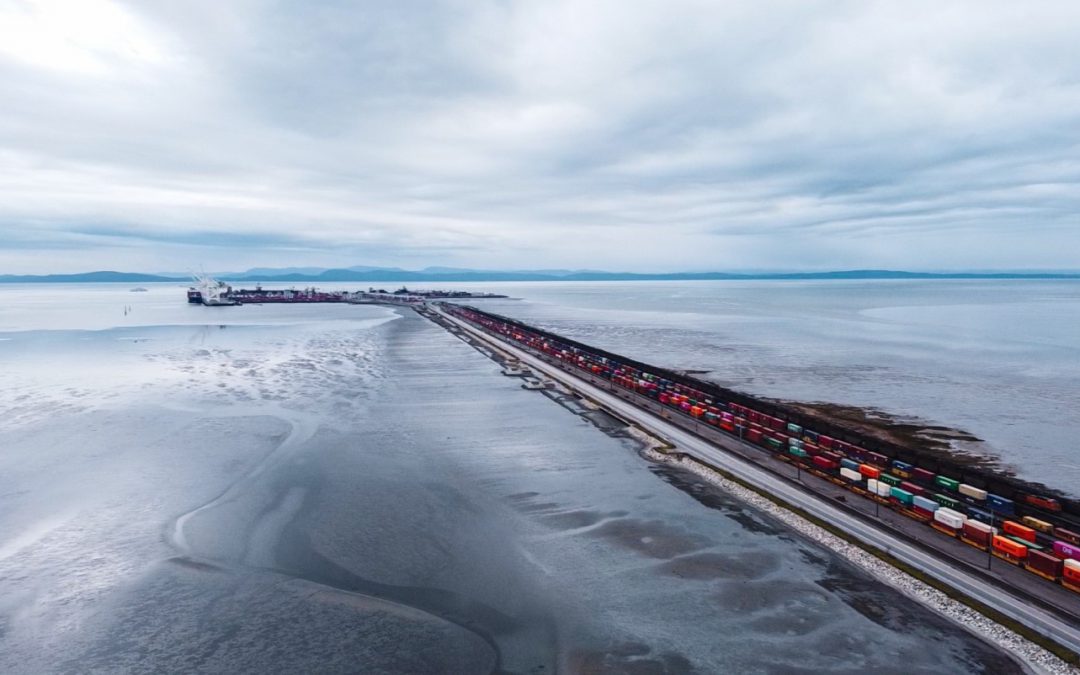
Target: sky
column 664, row 135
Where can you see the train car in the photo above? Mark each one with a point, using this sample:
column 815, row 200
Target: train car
column 1045, row 503
column 1008, row 549
column 901, row 497
column 890, row 479
column 1000, row 504
column 869, row 471
column 922, row 476
column 947, row 501
column 1047, row 566
column 850, row 475
column 901, row 469
column 1070, row 575
column 1064, row 549
column 980, row 515
column 1017, row 530
column 1067, row 535
column 977, row 534
column 1036, row 524
column 948, row 521
column 972, row 492
column 947, row 483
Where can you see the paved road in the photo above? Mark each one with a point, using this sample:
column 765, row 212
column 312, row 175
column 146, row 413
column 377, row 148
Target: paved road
column 1058, row 625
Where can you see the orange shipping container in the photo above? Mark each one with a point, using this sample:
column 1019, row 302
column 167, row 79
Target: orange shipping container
column 1017, row 530
column 1010, row 547
column 869, row 471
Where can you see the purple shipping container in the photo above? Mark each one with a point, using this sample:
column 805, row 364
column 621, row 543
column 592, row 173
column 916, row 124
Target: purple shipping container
column 1063, row 550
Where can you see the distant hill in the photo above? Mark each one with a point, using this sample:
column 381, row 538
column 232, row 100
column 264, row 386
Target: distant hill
column 437, row 274
column 85, row 277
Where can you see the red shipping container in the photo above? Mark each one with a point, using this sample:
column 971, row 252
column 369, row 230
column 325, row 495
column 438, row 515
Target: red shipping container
column 869, row 471
column 811, row 449
column 831, row 456
column 913, row 489
column 976, row 535
column 923, row 475
column 823, row 462
column 754, row 435
column 826, row 442
column 1044, row 564
column 877, row 459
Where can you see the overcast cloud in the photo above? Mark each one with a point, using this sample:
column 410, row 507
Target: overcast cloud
column 661, row 136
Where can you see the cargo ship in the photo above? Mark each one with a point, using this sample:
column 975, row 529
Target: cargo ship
column 998, row 514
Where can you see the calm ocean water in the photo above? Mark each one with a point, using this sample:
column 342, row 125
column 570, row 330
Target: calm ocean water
column 349, row 489
column 999, row 359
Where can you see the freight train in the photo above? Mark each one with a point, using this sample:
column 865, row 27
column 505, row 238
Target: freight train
column 1012, row 523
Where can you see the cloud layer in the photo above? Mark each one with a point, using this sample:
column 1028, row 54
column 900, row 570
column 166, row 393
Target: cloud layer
column 662, row 136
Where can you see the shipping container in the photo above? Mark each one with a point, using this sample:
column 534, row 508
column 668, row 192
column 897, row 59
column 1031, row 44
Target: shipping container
column 853, row 476
column 774, row 443
column 823, row 462
column 1017, row 530
column 869, row 471
column 901, row 496
column 1044, row 564
column 1007, row 549
column 902, row 466
column 913, row 488
column 1036, row 524
column 972, row 491
column 1067, row 535
column 1070, row 575
column 825, row 442
column 849, row 464
column 884, row 489
column 928, row 505
column 981, row 516
column 1064, row 549
column 871, row 485
column 754, row 435
column 946, row 501
column 922, row 475
column 977, row 534
column 877, row 459
column 891, row 480
column 1000, row 504
column 797, row 452
column 794, row 428
column 948, row 521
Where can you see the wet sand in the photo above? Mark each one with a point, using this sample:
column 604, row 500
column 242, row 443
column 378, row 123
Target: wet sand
column 381, row 499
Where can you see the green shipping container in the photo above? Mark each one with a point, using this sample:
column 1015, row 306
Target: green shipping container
column 794, row 428
column 947, row 502
column 889, row 480
column 947, row 483
column 773, row 443
column 904, row 496
column 1024, row 542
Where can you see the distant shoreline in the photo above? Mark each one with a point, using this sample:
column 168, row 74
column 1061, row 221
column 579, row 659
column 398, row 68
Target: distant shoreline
column 394, row 276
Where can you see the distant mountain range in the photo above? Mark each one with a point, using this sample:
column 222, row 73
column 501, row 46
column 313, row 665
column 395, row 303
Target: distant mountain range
column 434, row 274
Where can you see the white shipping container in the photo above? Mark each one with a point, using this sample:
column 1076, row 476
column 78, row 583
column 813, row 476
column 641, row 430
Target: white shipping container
column 973, row 492
column 884, row 489
column 952, row 520
column 850, row 475
column 871, row 485
column 951, row 513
